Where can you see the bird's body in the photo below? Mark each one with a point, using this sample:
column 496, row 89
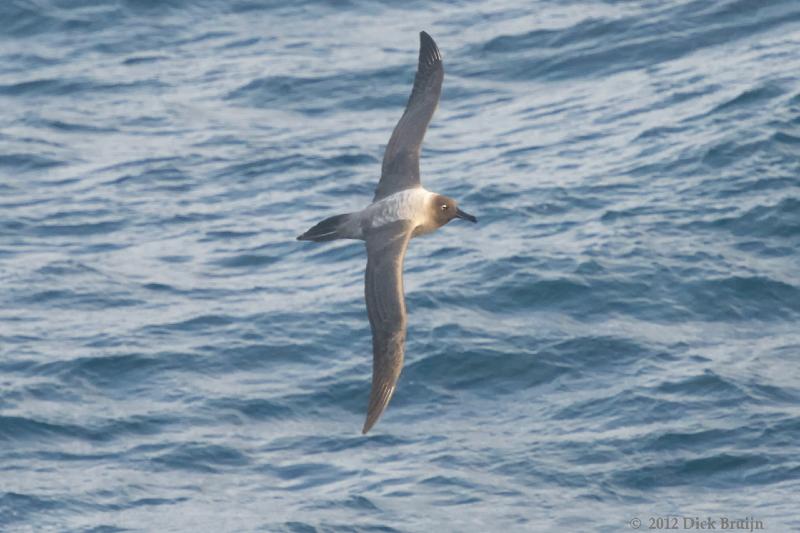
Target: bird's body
column 411, row 205
column 400, row 210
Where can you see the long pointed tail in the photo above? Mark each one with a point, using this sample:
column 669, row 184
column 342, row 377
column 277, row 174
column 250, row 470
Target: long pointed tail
column 335, row 227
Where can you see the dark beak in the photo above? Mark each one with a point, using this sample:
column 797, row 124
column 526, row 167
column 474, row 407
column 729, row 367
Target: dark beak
column 465, row 216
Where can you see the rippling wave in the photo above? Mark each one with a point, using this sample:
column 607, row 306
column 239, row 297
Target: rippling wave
column 617, row 338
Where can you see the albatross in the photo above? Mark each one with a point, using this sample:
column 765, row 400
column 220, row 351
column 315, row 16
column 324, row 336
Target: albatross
column 400, row 210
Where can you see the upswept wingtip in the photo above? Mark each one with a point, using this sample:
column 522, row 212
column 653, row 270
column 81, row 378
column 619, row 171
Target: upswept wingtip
column 427, row 47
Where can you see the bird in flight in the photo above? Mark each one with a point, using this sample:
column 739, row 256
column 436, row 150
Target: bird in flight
column 401, row 209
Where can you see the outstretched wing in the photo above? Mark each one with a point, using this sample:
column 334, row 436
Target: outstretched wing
column 401, row 160
column 383, row 289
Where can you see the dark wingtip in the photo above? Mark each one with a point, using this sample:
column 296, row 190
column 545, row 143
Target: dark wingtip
column 372, row 417
column 379, row 398
column 428, row 48
column 369, row 423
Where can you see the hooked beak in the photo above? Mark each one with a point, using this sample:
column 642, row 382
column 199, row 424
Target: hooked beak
column 465, row 216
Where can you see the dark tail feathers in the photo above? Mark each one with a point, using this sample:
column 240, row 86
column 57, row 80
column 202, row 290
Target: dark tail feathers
column 327, row 230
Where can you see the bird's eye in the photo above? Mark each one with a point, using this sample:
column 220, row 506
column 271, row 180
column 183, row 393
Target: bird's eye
column 444, row 207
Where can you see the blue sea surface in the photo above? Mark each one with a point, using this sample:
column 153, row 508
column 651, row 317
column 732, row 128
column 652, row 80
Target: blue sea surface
column 618, row 338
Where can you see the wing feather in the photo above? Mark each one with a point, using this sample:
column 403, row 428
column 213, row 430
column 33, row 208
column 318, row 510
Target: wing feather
column 400, row 169
column 383, row 290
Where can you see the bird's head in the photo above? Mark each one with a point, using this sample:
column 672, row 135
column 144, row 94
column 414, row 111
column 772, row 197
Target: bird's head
column 446, row 209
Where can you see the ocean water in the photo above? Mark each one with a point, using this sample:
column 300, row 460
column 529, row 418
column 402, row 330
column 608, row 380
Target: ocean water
column 617, row 339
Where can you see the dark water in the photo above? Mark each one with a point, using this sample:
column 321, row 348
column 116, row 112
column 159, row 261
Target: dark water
column 618, row 337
